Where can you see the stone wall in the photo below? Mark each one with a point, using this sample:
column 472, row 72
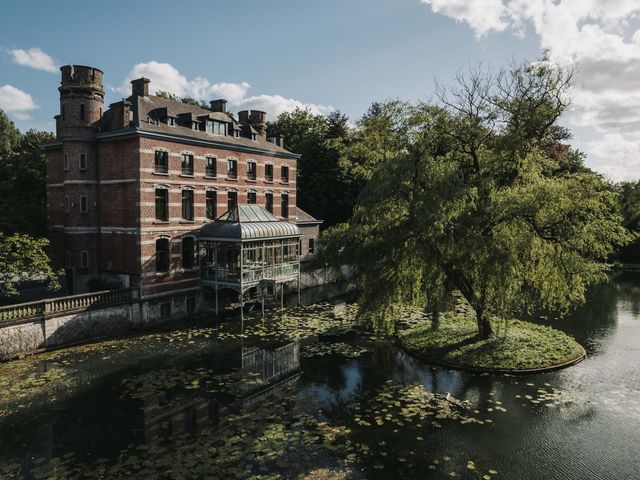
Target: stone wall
column 58, row 322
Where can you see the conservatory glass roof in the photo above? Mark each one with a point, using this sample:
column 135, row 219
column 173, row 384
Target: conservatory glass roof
column 248, row 222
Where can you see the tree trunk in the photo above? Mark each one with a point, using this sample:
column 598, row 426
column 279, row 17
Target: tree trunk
column 435, row 319
column 484, row 324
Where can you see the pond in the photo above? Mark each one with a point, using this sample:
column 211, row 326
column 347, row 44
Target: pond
column 304, row 395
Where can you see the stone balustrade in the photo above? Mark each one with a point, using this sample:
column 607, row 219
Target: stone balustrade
column 56, row 306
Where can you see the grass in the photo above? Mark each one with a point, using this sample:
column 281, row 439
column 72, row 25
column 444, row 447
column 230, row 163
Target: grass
column 516, row 345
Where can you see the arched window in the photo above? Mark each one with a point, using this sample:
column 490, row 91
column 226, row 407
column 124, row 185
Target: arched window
column 187, row 252
column 284, row 205
column 162, row 255
column 187, row 204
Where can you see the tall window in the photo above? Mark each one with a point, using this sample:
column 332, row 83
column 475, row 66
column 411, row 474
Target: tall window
column 66, row 162
column 67, row 205
column 232, row 200
column 251, row 170
column 84, row 207
column 210, row 167
column 284, row 205
column 83, row 161
column 162, row 204
column 232, row 168
column 82, row 111
column 187, row 252
column 251, row 198
column 187, row 164
column 162, row 255
column 268, row 173
column 284, row 174
column 162, row 161
column 312, row 246
column 269, row 201
column 212, row 204
column 187, row 204
column 84, row 259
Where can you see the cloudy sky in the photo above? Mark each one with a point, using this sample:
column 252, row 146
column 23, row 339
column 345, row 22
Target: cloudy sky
column 334, row 54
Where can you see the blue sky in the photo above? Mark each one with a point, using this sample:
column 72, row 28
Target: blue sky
column 278, row 54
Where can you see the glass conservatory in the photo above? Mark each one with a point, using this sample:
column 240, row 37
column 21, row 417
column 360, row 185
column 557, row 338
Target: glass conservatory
column 248, row 249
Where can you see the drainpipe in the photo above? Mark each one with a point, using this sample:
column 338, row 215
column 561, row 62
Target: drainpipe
column 99, row 210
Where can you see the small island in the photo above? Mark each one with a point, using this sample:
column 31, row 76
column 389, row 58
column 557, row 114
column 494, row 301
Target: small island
column 516, row 347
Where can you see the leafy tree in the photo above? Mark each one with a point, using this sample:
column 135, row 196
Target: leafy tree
column 325, row 188
column 23, row 197
column 630, row 206
column 24, row 258
column 477, row 194
column 9, row 137
column 186, row 100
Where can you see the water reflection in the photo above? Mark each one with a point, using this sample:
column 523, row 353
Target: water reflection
column 185, row 394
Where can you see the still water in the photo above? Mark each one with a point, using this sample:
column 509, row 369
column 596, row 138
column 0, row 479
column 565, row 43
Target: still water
column 303, row 396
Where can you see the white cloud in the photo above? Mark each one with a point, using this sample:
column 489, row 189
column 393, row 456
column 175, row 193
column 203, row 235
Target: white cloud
column 482, row 15
column 16, row 102
column 617, row 156
column 34, row 58
column 593, row 36
column 165, row 76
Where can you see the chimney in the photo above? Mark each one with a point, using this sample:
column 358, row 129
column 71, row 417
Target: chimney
column 119, row 114
column 219, row 105
column 140, row 87
column 280, row 141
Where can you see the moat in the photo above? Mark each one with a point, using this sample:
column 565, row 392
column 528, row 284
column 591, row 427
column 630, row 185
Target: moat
column 303, row 396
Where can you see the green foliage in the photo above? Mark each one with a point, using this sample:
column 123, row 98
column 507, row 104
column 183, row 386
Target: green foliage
column 630, row 208
column 475, row 194
column 23, row 196
column 187, row 100
column 325, row 188
column 518, row 345
column 24, row 258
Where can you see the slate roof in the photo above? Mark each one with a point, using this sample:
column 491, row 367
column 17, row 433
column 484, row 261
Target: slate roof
column 151, row 105
column 304, row 217
column 248, row 222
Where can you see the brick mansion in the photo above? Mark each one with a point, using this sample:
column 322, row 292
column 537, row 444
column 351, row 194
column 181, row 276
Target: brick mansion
column 174, row 199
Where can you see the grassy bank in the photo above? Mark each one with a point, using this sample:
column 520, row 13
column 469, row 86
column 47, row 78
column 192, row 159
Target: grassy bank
column 517, row 345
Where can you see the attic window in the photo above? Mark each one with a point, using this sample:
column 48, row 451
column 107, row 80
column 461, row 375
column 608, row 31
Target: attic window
column 216, row 128
column 236, row 133
column 153, row 121
column 253, row 137
column 195, row 126
column 171, row 121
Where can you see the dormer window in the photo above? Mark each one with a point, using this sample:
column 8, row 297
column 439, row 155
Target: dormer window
column 195, row 126
column 253, row 137
column 171, row 121
column 153, row 121
column 236, row 133
column 216, row 128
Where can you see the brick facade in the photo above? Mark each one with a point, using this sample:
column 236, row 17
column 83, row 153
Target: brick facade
column 102, row 180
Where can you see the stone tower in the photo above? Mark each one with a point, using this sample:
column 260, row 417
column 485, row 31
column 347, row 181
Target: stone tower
column 75, row 171
column 81, row 101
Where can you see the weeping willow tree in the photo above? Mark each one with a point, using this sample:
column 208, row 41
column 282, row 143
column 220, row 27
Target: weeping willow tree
column 479, row 193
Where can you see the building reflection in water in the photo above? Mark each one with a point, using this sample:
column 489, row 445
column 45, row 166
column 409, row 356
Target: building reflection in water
column 264, row 373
